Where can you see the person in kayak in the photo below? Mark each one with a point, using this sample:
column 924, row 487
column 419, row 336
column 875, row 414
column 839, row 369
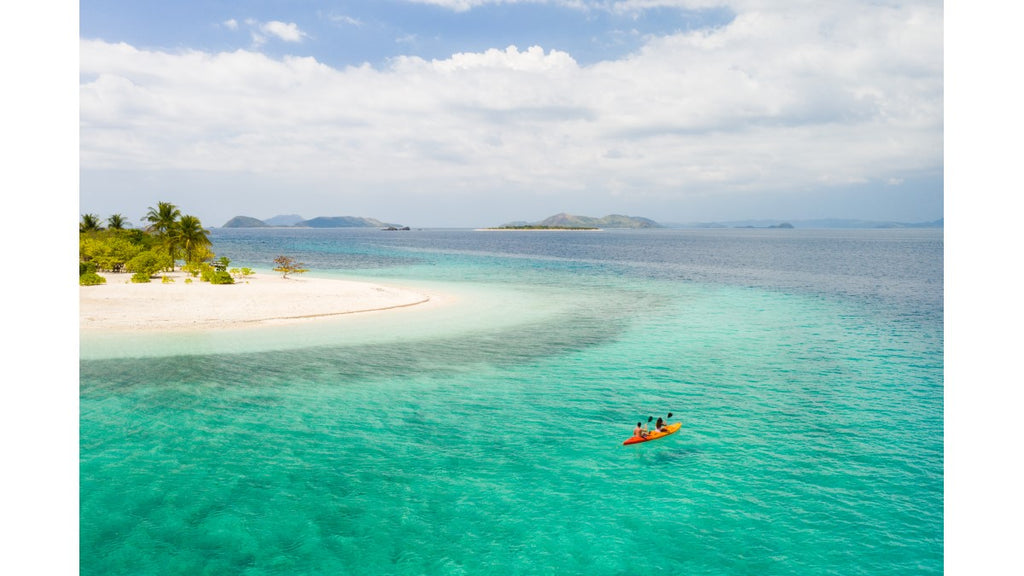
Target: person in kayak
column 639, row 432
column 661, row 425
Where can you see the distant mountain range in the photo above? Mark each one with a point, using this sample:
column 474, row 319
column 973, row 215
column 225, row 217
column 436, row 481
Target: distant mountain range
column 296, row 221
column 820, row 223
column 284, row 220
column 564, row 220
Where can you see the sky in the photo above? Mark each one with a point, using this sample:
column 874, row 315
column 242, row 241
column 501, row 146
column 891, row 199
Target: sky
column 79, row 137
column 465, row 113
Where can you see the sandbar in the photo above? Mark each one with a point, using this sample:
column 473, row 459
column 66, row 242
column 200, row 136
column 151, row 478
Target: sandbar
column 255, row 300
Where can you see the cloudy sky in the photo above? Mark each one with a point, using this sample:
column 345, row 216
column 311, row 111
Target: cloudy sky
column 480, row 112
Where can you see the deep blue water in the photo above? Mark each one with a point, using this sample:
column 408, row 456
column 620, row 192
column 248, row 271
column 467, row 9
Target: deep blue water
column 805, row 365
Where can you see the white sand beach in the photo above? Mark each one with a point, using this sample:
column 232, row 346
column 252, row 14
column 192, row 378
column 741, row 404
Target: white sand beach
column 259, row 299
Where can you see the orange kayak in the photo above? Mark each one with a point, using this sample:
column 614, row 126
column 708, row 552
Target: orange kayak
column 670, row 429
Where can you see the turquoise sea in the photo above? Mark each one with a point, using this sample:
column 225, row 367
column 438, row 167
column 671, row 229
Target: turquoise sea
column 485, row 436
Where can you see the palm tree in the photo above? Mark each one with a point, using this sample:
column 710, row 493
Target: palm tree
column 162, row 220
column 116, row 222
column 89, row 223
column 190, row 236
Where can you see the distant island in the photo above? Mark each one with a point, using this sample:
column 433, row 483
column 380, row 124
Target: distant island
column 838, row 223
column 296, row 221
column 565, row 221
column 245, row 222
column 284, row 220
column 783, row 226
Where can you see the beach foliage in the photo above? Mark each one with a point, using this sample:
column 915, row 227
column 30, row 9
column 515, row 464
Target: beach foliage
column 87, row 275
column 140, row 278
column 286, row 266
column 168, row 237
column 202, row 270
column 221, row 277
column 116, row 222
column 91, row 279
column 109, row 250
column 149, row 262
column 89, row 223
column 190, row 238
column 220, row 274
column 206, row 272
column 194, row 269
column 162, row 218
column 240, row 272
column 163, row 223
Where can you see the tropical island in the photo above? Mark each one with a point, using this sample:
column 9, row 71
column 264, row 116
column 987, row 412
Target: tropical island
column 170, row 236
column 295, row 221
column 117, row 264
column 565, row 221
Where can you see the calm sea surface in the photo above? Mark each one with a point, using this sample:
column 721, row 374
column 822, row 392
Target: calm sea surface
column 485, row 436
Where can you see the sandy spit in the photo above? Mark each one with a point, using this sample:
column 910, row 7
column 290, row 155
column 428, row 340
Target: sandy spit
column 259, row 299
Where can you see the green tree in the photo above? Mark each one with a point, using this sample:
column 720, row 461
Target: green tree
column 87, row 275
column 286, row 266
column 116, row 222
column 89, row 223
column 109, row 250
column 148, row 263
column 191, row 238
column 163, row 219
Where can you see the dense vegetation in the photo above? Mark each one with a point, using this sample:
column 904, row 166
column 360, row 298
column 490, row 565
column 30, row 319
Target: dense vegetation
column 168, row 238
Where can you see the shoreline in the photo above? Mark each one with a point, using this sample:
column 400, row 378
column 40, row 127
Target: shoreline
column 261, row 299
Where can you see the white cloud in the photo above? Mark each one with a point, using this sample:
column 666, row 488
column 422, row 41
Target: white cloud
column 774, row 101
column 344, row 19
column 287, row 31
column 260, row 32
column 457, row 5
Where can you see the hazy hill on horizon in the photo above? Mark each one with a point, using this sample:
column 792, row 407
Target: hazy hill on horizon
column 245, row 222
column 296, row 221
column 564, row 220
column 284, row 220
column 840, row 223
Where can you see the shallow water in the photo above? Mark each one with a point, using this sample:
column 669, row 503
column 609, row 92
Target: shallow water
column 806, row 367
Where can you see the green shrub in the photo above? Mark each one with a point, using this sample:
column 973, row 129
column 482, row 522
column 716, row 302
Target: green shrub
column 221, row 277
column 195, row 268
column 91, row 279
column 167, row 280
column 149, row 263
column 140, row 277
column 206, row 272
column 241, row 272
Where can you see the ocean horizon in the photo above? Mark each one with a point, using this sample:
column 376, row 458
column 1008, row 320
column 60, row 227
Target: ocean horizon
column 485, row 436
